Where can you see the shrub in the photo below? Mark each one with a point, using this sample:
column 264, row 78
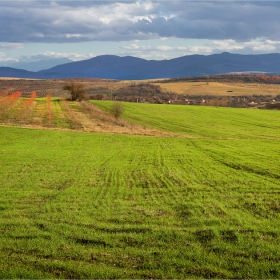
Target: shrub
column 117, row 109
column 76, row 90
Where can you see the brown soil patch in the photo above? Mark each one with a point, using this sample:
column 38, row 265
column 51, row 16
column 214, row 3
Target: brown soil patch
column 92, row 119
column 87, row 117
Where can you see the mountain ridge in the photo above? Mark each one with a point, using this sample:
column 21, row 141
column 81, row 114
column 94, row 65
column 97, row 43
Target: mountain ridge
column 134, row 68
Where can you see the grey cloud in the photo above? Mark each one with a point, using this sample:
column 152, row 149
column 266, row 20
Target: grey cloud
column 218, row 20
column 88, row 3
column 80, row 21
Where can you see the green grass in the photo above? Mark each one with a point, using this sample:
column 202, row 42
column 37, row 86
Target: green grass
column 82, row 205
column 205, row 122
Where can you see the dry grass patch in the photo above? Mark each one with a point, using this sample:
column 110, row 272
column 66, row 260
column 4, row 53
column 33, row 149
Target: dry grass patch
column 94, row 119
column 70, row 115
column 223, row 89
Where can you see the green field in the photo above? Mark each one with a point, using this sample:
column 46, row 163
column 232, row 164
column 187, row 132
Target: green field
column 204, row 122
column 204, row 204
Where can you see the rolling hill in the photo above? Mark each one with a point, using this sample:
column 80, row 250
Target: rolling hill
column 130, row 68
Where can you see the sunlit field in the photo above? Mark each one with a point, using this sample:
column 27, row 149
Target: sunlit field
column 202, row 202
column 220, row 89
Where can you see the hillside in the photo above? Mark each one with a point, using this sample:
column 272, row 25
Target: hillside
column 132, row 68
column 245, row 91
column 40, row 64
column 199, row 201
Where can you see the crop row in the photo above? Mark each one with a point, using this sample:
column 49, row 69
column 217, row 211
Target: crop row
column 10, row 100
column 26, row 107
column 49, row 107
column 40, row 111
column 137, row 207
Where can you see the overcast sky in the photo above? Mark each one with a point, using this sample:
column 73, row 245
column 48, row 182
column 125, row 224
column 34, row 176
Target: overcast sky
column 31, row 30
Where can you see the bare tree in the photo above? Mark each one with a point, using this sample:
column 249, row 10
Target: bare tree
column 117, row 109
column 76, row 90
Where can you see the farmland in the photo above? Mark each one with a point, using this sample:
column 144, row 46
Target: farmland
column 59, row 114
column 54, row 86
column 229, row 91
column 221, row 88
column 168, row 191
column 206, row 122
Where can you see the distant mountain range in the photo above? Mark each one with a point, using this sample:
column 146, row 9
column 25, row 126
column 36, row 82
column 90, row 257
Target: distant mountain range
column 132, row 68
column 40, row 64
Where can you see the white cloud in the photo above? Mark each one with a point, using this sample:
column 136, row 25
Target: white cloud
column 6, row 60
column 211, row 47
column 264, row 46
column 73, row 35
column 141, row 50
column 48, row 54
column 11, row 46
column 228, row 45
column 71, row 56
column 212, row 26
column 135, row 47
column 259, row 46
column 81, row 21
column 199, row 50
column 132, row 47
column 164, row 48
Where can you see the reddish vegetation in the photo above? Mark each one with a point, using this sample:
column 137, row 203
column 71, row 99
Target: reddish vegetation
column 267, row 79
column 10, row 100
column 4, row 93
column 26, row 106
column 49, row 108
column 102, row 89
column 245, row 78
